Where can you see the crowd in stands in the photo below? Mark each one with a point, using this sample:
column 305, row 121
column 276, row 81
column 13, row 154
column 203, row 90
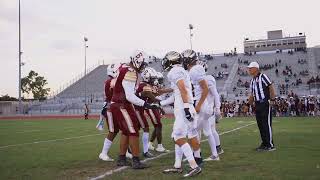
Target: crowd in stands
column 292, row 105
column 208, row 57
column 221, row 75
column 314, row 80
column 231, row 53
column 241, row 83
column 242, row 71
column 302, row 61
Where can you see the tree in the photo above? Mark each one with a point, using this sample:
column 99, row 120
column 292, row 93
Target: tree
column 7, row 98
column 35, row 84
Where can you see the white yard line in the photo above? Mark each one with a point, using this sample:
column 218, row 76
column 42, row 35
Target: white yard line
column 53, row 140
column 110, row 172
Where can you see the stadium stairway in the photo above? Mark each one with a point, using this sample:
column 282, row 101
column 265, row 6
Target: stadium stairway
column 231, row 78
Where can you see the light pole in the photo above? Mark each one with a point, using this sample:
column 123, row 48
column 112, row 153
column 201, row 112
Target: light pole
column 19, row 88
column 191, row 28
column 85, row 69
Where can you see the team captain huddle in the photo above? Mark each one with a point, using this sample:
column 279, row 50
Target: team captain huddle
column 133, row 90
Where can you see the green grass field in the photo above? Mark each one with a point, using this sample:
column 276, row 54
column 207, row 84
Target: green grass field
column 69, row 149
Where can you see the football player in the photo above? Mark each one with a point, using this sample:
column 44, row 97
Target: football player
column 156, row 81
column 215, row 104
column 201, row 90
column 113, row 129
column 185, row 120
column 123, row 99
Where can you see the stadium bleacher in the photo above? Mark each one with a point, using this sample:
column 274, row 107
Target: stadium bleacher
column 294, row 71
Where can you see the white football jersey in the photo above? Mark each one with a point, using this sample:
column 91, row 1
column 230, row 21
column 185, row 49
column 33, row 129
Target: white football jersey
column 175, row 74
column 197, row 74
column 213, row 96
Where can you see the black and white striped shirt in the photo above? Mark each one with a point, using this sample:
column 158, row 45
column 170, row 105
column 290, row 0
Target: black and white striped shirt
column 259, row 87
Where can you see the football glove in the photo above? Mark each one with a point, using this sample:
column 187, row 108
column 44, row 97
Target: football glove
column 151, row 106
column 188, row 114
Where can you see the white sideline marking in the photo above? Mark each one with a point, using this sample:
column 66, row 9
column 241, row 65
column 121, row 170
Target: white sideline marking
column 53, row 140
column 110, row 172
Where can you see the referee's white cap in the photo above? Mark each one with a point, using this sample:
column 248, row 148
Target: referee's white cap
column 253, row 64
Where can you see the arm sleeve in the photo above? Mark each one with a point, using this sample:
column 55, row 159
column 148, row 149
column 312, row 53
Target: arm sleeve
column 167, row 101
column 128, row 87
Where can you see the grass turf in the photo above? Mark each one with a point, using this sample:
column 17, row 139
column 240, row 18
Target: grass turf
column 68, row 149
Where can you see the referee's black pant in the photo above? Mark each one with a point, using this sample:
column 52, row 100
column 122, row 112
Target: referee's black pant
column 264, row 121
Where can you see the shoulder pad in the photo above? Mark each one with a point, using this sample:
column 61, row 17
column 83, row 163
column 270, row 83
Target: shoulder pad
column 130, row 76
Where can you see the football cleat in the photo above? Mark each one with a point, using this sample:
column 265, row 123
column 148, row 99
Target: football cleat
column 212, row 158
column 220, row 150
column 193, row 172
column 137, row 164
column 151, row 147
column 122, row 161
column 161, row 149
column 172, row 170
column 148, row 155
column 105, row 157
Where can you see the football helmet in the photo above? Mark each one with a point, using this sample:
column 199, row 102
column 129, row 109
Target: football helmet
column 139, row 60
column 147, row 74
column 170, row 59
column 189, row 56
column 113, row 70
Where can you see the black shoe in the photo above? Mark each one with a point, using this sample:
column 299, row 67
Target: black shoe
column 270, row 148
column 148, row 155
column 172, row 170
column 199, row 161
column 264, row 148
column 136, row 164
column 220, row 150
column 193, row 172
column 122, row 161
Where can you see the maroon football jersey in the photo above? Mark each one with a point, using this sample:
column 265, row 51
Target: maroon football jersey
column 125, row 72
column 108, row 89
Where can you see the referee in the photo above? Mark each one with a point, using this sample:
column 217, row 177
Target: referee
column 262, row 94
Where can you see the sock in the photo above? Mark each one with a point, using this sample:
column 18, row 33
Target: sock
column 188, row 153
column 106, row 146
column 197, row 153
column 179, row 155
column 212, row 144
column 216, row 137
column 145, row 140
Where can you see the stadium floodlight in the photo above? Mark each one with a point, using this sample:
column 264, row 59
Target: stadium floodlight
column 85, row 69
column 191, row 28
column 20, row 53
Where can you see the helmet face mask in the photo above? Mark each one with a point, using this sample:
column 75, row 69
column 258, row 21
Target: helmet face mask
column 189, row 57
column 139, row 61
column 170, row 59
